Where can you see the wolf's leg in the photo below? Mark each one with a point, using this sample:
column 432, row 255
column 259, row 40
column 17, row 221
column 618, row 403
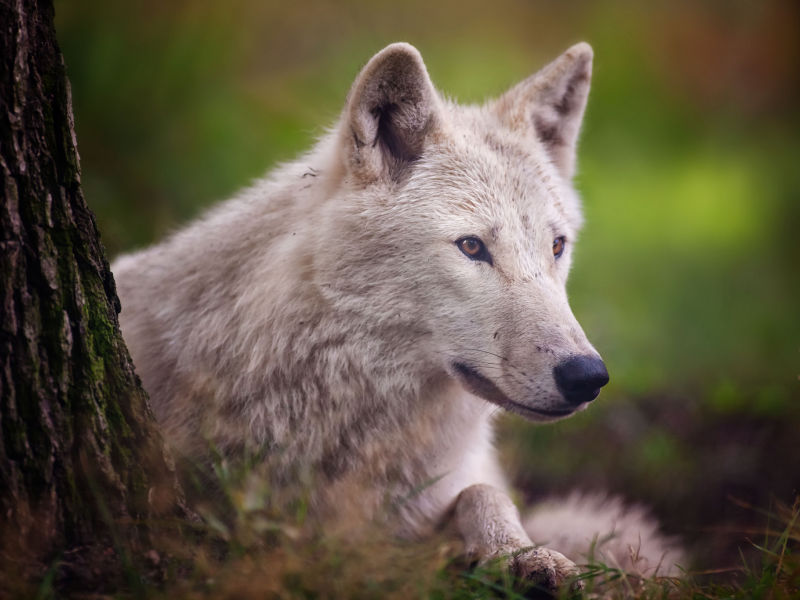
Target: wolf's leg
column 491, row 527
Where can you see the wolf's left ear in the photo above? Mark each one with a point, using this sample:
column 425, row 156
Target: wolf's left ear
column 391, row 111
column 551, row 104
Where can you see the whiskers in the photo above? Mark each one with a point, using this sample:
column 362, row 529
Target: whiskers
column 496, row 368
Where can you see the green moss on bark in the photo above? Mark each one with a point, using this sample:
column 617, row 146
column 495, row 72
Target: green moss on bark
column 76, row 431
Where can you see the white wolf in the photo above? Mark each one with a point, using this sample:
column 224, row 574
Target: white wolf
column 357, row 311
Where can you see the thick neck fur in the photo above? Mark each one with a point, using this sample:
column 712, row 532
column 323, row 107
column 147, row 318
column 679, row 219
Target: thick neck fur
column 266, row 340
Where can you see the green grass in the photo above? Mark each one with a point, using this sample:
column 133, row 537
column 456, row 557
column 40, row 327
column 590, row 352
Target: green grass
column 247, row 548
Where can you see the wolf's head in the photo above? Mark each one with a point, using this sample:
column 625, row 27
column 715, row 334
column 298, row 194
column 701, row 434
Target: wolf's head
column 456, row 228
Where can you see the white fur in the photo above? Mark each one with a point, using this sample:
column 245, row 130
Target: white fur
column 319, row 314
column 603, row 529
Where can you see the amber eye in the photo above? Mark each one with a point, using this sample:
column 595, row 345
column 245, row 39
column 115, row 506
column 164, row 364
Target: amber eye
column 558, row 246
column 471, row 247
column 474, row 248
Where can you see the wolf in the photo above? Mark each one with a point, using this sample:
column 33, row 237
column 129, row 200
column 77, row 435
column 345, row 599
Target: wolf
column 361, row 312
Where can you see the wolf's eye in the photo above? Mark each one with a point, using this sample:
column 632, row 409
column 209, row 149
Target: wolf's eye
column 474, row 248
column 558, row 246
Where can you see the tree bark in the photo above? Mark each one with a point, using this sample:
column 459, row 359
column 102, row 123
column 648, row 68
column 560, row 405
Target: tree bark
column 81, row 456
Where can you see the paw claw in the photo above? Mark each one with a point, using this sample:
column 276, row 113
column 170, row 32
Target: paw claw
column 545, row 567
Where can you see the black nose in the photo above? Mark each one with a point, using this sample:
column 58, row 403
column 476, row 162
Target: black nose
column 580, row 378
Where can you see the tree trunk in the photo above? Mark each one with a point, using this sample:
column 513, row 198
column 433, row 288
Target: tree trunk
column 81, row 457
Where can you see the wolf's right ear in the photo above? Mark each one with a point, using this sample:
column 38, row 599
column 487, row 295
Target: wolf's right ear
column 391, row 111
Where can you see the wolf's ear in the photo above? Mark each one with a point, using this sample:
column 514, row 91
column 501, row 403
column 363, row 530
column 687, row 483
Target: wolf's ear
column 391, row 110
column 551, row 103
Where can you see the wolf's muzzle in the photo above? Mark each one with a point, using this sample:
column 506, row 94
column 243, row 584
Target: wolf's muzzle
column 580, row 378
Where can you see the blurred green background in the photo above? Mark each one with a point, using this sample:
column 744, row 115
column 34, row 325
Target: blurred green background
column 687, row 277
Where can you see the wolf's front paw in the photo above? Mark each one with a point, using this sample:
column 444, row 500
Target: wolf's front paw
column 547, row 568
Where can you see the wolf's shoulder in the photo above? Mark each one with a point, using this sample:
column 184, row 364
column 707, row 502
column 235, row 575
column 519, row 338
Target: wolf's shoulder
column 232, row 231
